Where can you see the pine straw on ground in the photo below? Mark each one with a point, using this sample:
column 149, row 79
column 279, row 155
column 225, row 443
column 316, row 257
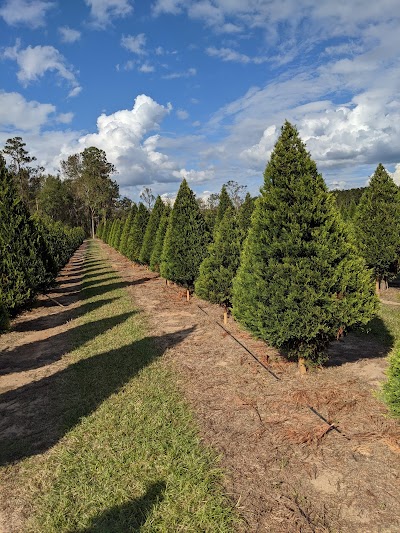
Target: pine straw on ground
column 314, row 454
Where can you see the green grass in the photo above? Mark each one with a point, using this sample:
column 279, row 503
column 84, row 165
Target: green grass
column 129, row 457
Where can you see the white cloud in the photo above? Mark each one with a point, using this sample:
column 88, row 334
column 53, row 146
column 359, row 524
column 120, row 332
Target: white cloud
column 35, row 61
column 65, row 118
column 146, row 68
column 25, row 12
column 19, row 114
column 69, row 35
column 103, row 11
column 396, row 174
column 182, row 114
column 134, row 43
column 190, row 72
column 227, row 54
column 75, row 91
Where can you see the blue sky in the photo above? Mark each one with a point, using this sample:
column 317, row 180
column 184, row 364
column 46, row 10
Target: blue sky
column 199, row 89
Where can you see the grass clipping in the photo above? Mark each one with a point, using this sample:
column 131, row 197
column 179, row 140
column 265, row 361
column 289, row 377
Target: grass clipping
column 130, row 458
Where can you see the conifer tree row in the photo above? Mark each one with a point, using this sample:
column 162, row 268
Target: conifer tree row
column 155, row 259
column 151, row 231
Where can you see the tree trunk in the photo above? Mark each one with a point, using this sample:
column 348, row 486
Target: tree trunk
column 187, row 295
column 378, row 286
column 225, row 315
column 92, row 217
column 302, row 366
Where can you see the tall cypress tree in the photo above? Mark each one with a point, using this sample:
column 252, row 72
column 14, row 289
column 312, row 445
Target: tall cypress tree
column 225, row 203
column 186, row 240
column 300, row 277
column 118, row 235
column 377, row 225
column 151, row 231
column 221, row 263
column 137, row 233
column 127, row 230
column 155, row 259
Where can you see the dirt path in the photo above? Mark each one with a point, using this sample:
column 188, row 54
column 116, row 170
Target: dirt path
column 285, row 472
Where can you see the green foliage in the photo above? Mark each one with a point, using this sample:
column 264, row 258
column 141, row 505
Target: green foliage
column 123, row 247
column 113, row 230
column 118, row 233
column 186, row 240
column 220, row 265
column 151, row 231
column 224, row 203
column 106, row 230
column 300, row 277
column 347, row 201
column 391, row 388
column 4, row 319
column 377, row 224
column 244, row 217
column 155, row 259
column 137, row 232
column 100, row 230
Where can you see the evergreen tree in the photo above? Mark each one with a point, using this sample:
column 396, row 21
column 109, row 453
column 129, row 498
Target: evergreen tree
column 377, row 225
column 225, row 203
column 155, row 259
column 111, row 235
column 244, row 217
column 4, row 320
column 151, row 231
column 100, row 229
column 300, row 277
column 118, row 234
column 391, row 388
column 106, row 230
column 22, row 270
column 137, row 233
column 127, row 230
column 221, row 263
column 186, row 240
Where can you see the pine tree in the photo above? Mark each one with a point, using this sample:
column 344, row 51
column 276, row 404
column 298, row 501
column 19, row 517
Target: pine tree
column 127, row 230
column 225, row 203
column 151, row 231
column 300, row 277
column 136, row 235
column 100, row 229
column 377, row 225
column 4, row 320
column 106, row 230
column 186, row 240
column 244, row 217
column 118, row 234
column 221, row 263
column 391, row 388
column 111, row 235
column 155, row 259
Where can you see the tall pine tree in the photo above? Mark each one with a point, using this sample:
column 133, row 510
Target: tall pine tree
column 225, row 203
column 155, row 259
column 151, row 231
column 137, row 232
column 300, row 278
column 186, row 240
column 244, row 217
column 377, row 225
column 221, row 263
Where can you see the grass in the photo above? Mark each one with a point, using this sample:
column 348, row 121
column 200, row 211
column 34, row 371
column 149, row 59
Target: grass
column 129, row 457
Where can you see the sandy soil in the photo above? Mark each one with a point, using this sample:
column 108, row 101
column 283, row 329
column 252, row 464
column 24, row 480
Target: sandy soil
column 286, row 468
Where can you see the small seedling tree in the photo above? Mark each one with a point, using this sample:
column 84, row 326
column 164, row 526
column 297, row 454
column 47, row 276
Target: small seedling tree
column 301, row 278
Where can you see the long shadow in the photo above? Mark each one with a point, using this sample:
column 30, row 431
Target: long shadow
column 69, row 281
column 42, row 352
column 54, row 320
column 103, row 288
column 34, row 417
column 372, row 341
column 129, row 516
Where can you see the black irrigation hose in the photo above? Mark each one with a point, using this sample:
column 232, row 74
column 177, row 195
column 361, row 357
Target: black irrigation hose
column 277, row 378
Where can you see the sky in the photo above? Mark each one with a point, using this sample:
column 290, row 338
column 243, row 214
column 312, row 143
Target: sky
column 199, row 89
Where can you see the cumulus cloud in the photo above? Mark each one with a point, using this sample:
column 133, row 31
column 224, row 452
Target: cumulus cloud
column 25, row 12
column 34, row 62
column 69, row 35
column 103, row 11
column 134, row 43
column 17, row 113
column 182, row 114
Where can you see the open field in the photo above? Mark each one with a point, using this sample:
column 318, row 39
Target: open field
column 89, row 397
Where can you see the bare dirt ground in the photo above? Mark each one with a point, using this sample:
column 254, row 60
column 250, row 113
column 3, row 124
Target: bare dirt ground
column 286, row 468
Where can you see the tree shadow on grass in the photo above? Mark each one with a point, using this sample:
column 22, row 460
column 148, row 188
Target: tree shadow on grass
column 372, row 341
column 51, row 348
column 34, row 417
column 129, row 516
column 103, row 288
